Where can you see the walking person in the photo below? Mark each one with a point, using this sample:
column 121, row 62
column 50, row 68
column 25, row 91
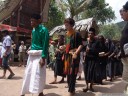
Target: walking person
column 5, row 54
column 103, row 58
column 91, row 60
column 59, row 63
column 72, row 54
column 35, row 73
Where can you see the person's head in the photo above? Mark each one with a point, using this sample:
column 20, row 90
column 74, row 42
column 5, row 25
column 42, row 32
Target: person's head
column 69, row 23
column 5, row 32
column 121, row 13
column 35, row 20
column 124, row 12
column 61, row 39
column 91, row 33
column 22, row 42
column 101, row 38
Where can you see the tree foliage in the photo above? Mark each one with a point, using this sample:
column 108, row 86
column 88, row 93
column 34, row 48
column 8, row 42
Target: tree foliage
column 55, row 17
column 81, row 9
column 73, row 7
column 100, row 10
column 111, row 31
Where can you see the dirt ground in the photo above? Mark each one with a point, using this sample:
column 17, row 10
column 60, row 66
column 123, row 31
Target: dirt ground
column 12, row 87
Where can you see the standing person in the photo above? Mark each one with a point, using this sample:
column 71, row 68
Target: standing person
column 52, row 54
column 72, row 54
column 82, row 55
column 5, row 53
column 110, row 66
column 22, row 52
column 103, row 58
column 59, row 64
column 35, row 73
column 91, row 60
column 123, row 41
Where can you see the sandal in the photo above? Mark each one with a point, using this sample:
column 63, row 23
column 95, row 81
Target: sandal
column 10, row 76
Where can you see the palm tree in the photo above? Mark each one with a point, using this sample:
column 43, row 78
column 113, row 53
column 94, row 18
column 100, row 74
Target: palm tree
column 73, row 7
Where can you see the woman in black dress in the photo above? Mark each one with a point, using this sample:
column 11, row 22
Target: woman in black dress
column 103, row 57
column 59, row 63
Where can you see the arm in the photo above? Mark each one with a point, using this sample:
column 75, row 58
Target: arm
column 7, row 49
column 45, row 45
column 8, row 46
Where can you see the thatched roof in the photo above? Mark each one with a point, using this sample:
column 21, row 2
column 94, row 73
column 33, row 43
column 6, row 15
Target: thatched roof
column 81, row 26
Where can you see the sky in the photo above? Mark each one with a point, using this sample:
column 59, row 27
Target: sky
column 116, row 6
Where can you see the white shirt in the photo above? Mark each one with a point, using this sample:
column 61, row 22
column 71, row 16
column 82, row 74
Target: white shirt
column 22, row 48
column 7, row 42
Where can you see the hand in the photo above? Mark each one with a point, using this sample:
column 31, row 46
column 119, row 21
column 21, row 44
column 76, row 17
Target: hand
column 42, row 62
column 74, row 56
column 87, row 49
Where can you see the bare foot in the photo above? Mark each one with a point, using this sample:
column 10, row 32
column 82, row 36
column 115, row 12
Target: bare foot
column 3, row 77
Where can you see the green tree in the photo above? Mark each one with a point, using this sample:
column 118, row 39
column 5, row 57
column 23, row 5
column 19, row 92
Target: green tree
column 100, row 10
column 73, row 7
column 111, row 31
column 55, row 17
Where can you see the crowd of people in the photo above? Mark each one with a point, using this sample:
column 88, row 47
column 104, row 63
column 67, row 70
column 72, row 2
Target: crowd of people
column 98, row 57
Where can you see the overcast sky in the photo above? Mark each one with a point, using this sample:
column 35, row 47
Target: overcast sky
column 116, row 5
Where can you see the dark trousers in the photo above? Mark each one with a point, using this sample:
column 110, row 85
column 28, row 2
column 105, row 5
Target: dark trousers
column 71, row 79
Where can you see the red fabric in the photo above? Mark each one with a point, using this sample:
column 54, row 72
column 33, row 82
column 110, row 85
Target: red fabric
column 7, row 27
column 0, row 61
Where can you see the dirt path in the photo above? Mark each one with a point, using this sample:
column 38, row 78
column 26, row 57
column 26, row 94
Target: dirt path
column 12, row 87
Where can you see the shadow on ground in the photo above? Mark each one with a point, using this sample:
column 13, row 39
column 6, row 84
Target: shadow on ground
column 50, row 87
column 80, row 93
column 80, row 85
column 16, row 78
column 52, row 94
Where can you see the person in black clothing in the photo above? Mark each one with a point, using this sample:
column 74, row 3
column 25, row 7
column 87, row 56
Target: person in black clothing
column 103, row 55
column 111, row 61
column 59, row 63
column 91, row 60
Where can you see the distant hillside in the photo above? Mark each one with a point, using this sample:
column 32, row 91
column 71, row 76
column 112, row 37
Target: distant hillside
column 121, row 24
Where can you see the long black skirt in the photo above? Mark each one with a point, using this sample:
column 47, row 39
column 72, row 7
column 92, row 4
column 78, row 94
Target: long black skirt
column 90, row 70
column 59, row 68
